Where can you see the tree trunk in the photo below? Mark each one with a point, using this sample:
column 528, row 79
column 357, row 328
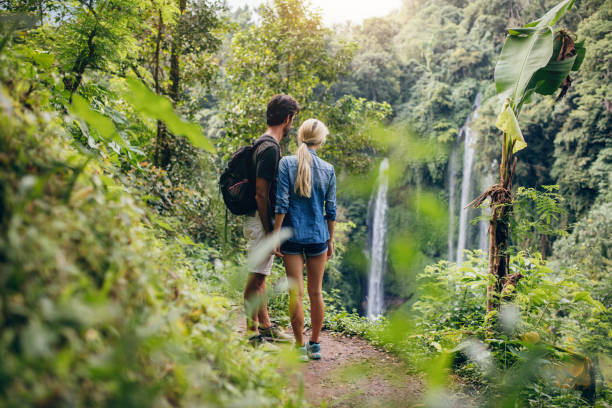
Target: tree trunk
column 164, row 151
column 501, row 284
column 498, row 253
column 175, row 53
column 160, row 139
column 82, row 62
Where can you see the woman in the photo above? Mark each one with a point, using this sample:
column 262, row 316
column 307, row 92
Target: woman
column 306, row 186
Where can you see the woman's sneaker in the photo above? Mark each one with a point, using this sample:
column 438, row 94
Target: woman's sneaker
column 303, row 353
column 314, row 351
column 273, row 333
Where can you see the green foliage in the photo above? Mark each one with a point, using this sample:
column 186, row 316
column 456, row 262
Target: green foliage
column 515, row 367
column 120, row 279
column 97, row 122
column 95, row 35
column 289, row 53
column 527, row 62
column 375, row 73
column 94, row 302
column 103, row 302
column 581, row 144
column 537, row 217
column 588, row 248
column 524, row 53
column 156, row 107
column 286, row 53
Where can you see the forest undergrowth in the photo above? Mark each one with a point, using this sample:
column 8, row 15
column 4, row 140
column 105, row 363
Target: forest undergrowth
column 119, row 265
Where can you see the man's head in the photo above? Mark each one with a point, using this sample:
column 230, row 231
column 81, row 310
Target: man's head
column 280, row 112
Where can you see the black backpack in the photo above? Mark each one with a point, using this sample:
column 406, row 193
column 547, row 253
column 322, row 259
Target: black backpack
column 237, row 182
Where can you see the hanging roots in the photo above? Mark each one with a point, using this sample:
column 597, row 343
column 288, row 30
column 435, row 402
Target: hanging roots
column 499, row 196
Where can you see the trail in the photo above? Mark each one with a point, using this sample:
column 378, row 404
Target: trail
column 353, row 373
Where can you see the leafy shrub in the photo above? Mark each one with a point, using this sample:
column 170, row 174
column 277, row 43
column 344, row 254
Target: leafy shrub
column 551, row 321
column 96, row 309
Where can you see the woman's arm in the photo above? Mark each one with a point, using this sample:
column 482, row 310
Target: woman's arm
column 330, row 245
column 282, row 200
column 330, row 213
column 278, row 224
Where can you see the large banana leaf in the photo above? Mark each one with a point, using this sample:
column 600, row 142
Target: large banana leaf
column 553, row 15
column 524, row 53
column 580, row 54
column 547, row 80
column 527, row 50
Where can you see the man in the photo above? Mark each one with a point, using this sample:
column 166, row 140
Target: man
column 279, row 115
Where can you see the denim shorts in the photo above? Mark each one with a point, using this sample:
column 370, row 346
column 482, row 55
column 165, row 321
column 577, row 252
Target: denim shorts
column 310, row 250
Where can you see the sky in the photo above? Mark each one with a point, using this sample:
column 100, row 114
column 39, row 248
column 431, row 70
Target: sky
column 339, row 11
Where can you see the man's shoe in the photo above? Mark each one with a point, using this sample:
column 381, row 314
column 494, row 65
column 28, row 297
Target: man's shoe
column 273, row 333
column 256, row 340
column 314, row 351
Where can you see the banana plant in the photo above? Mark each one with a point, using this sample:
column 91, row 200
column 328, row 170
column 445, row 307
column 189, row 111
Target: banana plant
column 536, row 58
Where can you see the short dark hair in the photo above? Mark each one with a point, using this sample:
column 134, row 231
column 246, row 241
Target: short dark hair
column 279, row 107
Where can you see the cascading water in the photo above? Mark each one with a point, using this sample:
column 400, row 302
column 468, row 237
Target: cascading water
column 378, row 232
column 452, row 183
column 469, row 138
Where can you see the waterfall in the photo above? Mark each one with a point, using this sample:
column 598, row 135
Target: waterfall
column 452, row 187
column 378, row 232
column 469, row 138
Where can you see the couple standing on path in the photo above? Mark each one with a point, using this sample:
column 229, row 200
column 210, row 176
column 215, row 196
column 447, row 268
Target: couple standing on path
column 297, row 192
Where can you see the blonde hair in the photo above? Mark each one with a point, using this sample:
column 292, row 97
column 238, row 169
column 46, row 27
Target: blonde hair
column 312, row 133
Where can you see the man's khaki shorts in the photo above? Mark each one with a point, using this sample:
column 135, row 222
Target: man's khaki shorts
column 254, row 233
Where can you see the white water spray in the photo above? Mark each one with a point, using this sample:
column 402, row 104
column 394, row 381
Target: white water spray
column 378, row 233
column 452, row 187
column 469, row 151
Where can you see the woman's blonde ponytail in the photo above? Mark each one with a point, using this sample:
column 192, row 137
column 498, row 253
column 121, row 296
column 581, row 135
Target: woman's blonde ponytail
column 303, row 181
column 312, row 133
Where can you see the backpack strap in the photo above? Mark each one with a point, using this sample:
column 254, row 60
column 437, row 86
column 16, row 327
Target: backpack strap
column 255, row 146
column 260, row 142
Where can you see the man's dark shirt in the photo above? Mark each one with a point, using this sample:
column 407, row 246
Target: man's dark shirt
column 266, row 158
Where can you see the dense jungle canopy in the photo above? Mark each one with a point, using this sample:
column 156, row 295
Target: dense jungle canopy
column 121, row 272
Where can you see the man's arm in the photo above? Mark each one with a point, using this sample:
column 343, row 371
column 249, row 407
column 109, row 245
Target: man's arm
column 262, row 197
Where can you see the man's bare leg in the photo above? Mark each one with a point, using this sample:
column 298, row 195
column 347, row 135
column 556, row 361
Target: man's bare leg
column 262, row 313
column 255, row 302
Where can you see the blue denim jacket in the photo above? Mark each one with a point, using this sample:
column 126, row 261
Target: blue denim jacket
column 305, row 215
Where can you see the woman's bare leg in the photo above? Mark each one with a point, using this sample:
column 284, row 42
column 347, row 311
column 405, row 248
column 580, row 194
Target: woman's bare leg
column 315, row 267
column 294, row 267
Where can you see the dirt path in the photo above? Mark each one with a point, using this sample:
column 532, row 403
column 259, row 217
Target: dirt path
column 353, row 373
